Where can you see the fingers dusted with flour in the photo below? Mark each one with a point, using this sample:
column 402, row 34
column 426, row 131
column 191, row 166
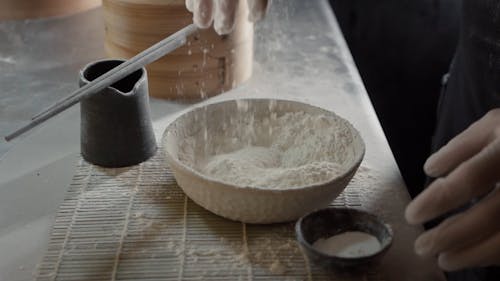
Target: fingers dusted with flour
column 258, row 9
column 469, row 171
column 190, row 5
column 203, row 12
column 223, row 12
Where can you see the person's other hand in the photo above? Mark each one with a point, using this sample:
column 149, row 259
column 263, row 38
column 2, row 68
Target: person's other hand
column 468, row 168
column 223, row 12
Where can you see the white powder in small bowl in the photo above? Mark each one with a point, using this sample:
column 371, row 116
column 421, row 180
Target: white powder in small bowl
column 350, row 244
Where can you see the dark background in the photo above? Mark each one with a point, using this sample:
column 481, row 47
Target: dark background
column 402, row 49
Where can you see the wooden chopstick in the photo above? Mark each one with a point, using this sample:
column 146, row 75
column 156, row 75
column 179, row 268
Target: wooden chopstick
column 147, row 56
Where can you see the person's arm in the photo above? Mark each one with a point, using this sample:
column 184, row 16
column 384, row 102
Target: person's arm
column 468, row 167
column 222, row 12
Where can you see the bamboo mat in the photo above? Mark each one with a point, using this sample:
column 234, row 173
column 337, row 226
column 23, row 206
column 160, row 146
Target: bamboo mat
column 135, row 223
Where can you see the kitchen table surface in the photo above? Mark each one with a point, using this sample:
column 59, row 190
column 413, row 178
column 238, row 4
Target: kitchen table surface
column 300, row 54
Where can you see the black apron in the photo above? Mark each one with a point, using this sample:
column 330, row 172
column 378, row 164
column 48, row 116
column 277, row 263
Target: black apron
column 472, row 89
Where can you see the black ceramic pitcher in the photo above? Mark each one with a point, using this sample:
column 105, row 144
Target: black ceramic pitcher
column 116, row 128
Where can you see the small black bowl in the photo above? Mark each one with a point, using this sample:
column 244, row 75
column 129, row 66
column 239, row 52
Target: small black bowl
column 327, row 222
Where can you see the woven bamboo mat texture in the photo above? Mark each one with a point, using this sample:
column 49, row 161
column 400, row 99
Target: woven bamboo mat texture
column 135, row 223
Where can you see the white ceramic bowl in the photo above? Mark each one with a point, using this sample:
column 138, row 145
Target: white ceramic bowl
column 188, row 141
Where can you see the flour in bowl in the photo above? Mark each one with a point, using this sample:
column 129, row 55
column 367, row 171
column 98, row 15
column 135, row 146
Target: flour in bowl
column 264, row 167
column 293, row 150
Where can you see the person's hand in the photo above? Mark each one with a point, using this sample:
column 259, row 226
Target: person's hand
column 469, row 168
column 223, row 12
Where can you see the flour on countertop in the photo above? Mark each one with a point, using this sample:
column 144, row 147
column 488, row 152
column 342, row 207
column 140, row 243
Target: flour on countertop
column 348, row 244
column 293, row 150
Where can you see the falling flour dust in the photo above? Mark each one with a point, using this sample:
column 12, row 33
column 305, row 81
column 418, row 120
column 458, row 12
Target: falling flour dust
column 292, row 150
column 348, row 244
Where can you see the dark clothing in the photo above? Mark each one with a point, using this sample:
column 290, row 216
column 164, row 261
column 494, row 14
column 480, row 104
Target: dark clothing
column 402, row 48
column 473, row 88
column 475, row 274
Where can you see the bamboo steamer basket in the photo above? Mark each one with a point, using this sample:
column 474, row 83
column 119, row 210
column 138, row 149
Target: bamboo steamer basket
column 29, row 9
column 206, row 66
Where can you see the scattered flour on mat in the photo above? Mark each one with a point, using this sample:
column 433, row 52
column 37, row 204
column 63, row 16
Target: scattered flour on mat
column 302, row 149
